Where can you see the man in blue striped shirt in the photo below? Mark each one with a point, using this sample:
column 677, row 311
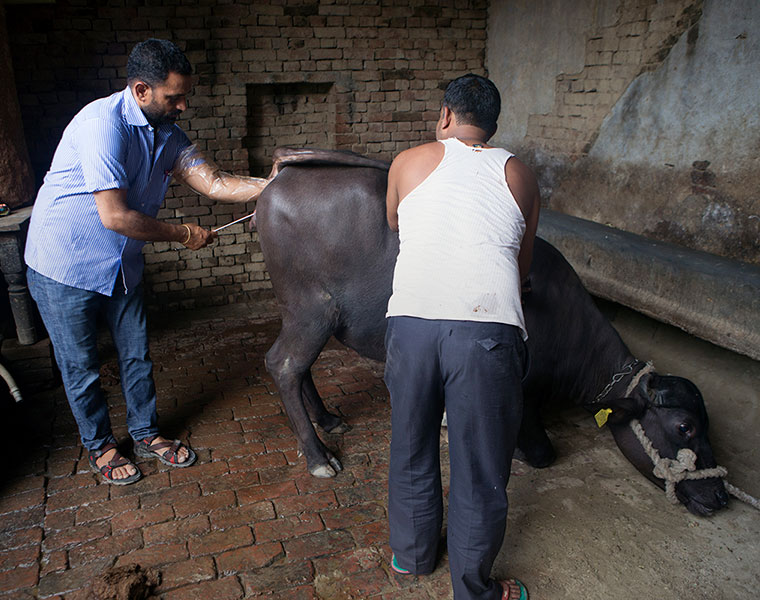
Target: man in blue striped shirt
column 92, row 216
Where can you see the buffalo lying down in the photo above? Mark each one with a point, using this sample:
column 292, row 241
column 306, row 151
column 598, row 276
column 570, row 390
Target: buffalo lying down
column 330, row 255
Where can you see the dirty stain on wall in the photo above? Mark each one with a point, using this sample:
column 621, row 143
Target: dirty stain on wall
column 657, row 132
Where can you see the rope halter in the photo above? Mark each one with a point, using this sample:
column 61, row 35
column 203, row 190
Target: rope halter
column 673, row 471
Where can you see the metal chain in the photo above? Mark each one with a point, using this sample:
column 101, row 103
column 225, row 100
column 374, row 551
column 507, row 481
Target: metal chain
column 627, row 370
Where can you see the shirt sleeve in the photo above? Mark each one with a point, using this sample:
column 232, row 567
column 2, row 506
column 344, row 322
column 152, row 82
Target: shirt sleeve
column 102, row 150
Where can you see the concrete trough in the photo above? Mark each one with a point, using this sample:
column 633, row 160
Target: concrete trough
column 711, row 297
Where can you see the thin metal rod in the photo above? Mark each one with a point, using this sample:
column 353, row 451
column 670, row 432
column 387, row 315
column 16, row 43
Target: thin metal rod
column 233, row 222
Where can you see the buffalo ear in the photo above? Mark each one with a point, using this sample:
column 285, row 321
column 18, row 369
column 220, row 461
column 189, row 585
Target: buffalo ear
column 624, row 409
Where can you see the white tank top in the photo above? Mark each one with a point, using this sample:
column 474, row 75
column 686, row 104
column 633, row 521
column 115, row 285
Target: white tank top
column 460, row 232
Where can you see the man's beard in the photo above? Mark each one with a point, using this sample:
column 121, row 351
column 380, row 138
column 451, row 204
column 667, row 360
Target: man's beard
column 157, row 117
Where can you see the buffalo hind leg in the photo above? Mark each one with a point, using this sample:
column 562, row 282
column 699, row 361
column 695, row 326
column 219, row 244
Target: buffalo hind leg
column 289, row 361
column 317, row 412
column 532, row 442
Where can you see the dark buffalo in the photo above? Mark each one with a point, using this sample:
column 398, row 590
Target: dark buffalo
column 330, row 255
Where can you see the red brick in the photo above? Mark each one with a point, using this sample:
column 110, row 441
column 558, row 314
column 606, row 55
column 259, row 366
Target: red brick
column 230, row 481
column 370, row 533
column 204, row 504
column 265, row 492
column 352, row 561
column 273, row 580
column 76, row 535
column 189, row 571
column 54, row 561
column 77, row 498
column 289, row 527
column 107, row 547
column 170, row 495
column 260, row 409
column 22, row 501
column 152, row 481
column 343, row 518
column 242, row 515
column 176, row 530
column 62, row 519
column 228, row 588
column 80, row 480
column 19, row 578
column 159, row 554
column 307, row 484
column 220, row 541
column 141, row 517
column 199, row 473
column 318, row 544
column 20, row 557
column 21, row 537
column 241, row 450
column 23, row 484
column 106, row 510
column 251, row 557
column 307, row 503
column 63, row 582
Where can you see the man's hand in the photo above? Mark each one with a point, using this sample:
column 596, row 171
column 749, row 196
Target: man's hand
column 199, row 237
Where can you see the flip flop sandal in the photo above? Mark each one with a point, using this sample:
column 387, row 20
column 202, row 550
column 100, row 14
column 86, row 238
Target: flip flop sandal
column 107, row 469
column 166, row 452
column 395, row 566
column 523, row 590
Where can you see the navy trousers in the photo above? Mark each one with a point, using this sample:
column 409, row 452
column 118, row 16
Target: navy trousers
column 70, row 316
column 475, row 371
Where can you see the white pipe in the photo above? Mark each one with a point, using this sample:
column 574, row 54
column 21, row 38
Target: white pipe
column 15, row 392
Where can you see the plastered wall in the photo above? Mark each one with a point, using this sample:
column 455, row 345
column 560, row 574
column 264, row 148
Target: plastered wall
column 638, row 114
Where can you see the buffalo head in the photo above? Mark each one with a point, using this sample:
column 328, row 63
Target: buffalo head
column 672, row 413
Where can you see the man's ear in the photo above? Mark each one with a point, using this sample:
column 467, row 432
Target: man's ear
column 447, row 117
column 142, row 91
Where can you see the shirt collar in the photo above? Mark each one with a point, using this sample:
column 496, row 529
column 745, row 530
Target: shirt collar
column 131, row 111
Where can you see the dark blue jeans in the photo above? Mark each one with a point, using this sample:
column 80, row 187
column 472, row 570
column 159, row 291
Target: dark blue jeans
column 475, row 370
column 70, row 315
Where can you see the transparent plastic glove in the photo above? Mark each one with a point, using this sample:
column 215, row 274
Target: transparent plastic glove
column 205, row 177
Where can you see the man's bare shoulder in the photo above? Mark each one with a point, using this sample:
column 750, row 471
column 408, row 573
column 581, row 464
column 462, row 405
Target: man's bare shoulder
column 423, row 152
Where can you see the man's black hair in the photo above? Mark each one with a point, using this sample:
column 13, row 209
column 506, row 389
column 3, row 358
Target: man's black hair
column 475, row 101
column 151, row 61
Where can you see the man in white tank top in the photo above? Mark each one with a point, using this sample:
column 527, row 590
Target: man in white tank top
column 467, row 214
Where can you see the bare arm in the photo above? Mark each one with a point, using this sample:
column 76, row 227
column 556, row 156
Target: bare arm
column 209, row 180
column 391, row 196
column 116, row 215
column 524, row 187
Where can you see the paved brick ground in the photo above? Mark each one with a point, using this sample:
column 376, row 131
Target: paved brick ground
column 246, row 521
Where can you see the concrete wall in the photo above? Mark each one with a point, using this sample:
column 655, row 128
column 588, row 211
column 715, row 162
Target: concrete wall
column 352, row 74
column 638, row 114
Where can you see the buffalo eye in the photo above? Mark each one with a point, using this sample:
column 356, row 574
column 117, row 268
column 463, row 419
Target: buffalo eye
column 685, row 429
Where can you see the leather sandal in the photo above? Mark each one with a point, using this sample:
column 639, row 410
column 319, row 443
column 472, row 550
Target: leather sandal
column 107, row 469
column 166, row 452
column 506, row 594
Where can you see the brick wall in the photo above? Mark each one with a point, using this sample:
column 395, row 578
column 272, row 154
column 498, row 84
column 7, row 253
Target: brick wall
column 638, row 41
column 348, row 74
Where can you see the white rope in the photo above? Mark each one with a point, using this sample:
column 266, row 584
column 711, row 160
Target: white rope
column 683, row 467
column 648, row 368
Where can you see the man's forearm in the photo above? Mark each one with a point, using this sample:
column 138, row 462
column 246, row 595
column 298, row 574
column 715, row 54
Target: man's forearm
column 139, row 226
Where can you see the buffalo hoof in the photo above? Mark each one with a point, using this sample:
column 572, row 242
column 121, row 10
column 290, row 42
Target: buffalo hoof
column 327, row 471
column 341, row 427
column 538, row 458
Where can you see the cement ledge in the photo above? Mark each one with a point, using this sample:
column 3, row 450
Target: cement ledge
column 711, row 297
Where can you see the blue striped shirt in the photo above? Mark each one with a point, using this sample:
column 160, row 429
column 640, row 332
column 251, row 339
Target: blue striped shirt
column 109, row 144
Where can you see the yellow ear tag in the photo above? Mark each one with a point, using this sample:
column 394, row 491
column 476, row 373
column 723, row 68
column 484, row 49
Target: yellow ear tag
column 602, row 416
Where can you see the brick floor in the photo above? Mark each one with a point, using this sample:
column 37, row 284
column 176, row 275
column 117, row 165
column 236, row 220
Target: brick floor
column 247, row 520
